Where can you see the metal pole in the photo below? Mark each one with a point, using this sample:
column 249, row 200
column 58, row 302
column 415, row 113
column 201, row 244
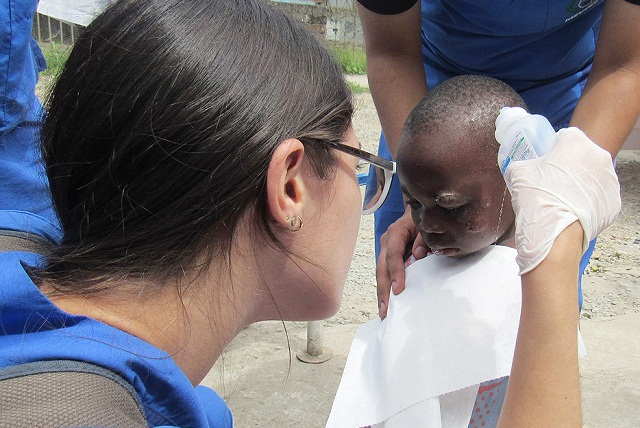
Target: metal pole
column 49, row 24
column 315, row 353
column 39, row 30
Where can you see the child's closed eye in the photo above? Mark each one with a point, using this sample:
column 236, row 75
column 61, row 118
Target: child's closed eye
column 453, row 210
column 413, row 204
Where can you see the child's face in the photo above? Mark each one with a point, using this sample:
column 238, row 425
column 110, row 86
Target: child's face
column 457, row 196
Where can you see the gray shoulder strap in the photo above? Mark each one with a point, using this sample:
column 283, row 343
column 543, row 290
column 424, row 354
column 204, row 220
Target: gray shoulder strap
column 11, row 240
column 65, row 393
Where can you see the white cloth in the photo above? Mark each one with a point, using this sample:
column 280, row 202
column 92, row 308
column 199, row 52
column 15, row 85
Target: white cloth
column 453, row 327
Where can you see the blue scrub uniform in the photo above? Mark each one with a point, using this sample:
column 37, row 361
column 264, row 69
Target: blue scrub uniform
column 23, row 185
column 541, row 48
column 32, row 328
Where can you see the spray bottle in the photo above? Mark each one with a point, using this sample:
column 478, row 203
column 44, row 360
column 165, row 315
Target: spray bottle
column 522, row 136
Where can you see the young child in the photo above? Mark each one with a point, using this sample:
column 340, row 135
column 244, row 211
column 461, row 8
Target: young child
column 448, row 170
column 441, row 356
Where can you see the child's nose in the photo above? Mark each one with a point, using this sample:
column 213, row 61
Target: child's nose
column 429, row 223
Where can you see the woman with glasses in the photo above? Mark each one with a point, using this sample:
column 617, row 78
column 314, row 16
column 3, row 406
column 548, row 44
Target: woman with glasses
column 203, row 168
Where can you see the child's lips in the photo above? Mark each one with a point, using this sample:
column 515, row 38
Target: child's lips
column 444, row 251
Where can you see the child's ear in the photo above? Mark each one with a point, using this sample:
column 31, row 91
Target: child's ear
column 285, row 183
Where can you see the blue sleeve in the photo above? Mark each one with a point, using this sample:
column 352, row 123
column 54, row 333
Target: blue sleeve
column 20, row 63
column 23, row 183
column 217, row 411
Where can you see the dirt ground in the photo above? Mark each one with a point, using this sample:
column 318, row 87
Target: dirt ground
column 266, row 385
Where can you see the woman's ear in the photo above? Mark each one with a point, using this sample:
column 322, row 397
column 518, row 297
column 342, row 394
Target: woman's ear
column 285, row 184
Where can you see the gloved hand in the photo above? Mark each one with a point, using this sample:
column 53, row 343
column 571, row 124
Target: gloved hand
column 574, row 181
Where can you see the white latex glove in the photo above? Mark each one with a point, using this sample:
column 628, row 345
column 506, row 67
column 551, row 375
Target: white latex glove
column 574, row 181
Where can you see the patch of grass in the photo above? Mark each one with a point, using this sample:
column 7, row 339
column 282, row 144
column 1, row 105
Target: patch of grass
column 357, row 89
column 56, row 55
column 352, row 58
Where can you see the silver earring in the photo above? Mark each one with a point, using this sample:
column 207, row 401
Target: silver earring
column 296, row 223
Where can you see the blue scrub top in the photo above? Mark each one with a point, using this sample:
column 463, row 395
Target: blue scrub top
column 542, row 48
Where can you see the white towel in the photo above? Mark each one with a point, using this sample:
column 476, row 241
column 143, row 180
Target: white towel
column 453, row 327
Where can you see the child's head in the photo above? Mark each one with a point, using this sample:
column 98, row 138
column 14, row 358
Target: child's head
column 447, row 165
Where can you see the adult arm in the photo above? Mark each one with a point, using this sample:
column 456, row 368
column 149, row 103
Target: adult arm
column 544, row 385
column 548, row 195
column 394, row 66
column 397, row 82
column 610, row 103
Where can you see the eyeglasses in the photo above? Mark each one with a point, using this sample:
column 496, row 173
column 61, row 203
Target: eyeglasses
column 379, row 171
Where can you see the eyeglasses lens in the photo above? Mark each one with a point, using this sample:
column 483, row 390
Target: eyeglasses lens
column 375, row 189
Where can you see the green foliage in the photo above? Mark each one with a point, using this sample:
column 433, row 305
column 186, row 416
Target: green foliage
column 56, row 55
column 352, row 58
column 357, row 89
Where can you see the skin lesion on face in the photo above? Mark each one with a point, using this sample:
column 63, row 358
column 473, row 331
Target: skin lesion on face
column 461, row 226
column 459, row 205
